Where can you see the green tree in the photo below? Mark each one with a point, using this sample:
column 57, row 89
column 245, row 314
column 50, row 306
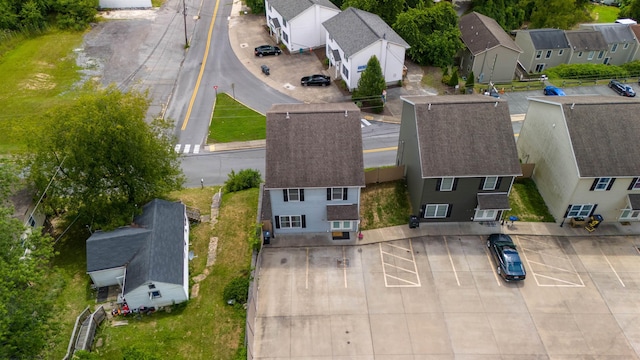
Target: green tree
column 630, row 9
column 432, row 32
column 561, row 14
column 106, row 161
column 471, row 81
column 371, row 85
column 454, row 78
column 510, row 14
column 257, row 6
column 25, row 303
column 75, row 14
column 388, row 10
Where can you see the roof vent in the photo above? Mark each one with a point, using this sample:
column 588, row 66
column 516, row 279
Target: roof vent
column 496, row 104
column 345, row 113
column 429, row 107
column 572, row 105
column 288, row 117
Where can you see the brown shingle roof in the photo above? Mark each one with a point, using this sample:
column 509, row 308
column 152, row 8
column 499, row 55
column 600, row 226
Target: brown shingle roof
column 586, row 40
column 480, row 33
column 342, row 212
column 314, row 145
column 467, row 135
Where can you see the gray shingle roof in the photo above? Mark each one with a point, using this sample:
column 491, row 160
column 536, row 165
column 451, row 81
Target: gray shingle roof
column 604, row 145
column 493, row 202
column 355, row 29
column 548, row 39
column 342, row 212
column 614, row 33
column 480, row 33
column 465, row 136
column 289, row 9
column 586, row 40
column 316, row 146
column 634, row 201
column 152, row 250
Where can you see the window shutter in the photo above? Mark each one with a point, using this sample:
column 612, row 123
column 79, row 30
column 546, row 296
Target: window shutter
column 498, row 183
column 455, row 184
column 633, row 182
column 328, row 194
column 423, row 208
column 567, row 212
column 286, row 196
column 304, row 221
column 438, row 183
column 277, row 222
column 593, row 186
column 345, row 191
column 593, row 210
column 449, row 210
column 301, row 194
column 611, row 183
column 481, row 183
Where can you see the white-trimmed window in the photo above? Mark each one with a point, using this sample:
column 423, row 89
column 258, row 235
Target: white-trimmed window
column 538, row 54
column 626, row 46
column 345, row 71
column 446, row 184
column 581, row 210
column 293, row 194
column 485, row 215
column 590, row 56
column 290, row 221
column 490, row 183
column 341, row 225
column 284, row 22
column 614, row 48
column 560, row 52
column 635, row 184
column 436, row 210
column 580, row 54
column 540, row 67
column 285, row 37
column 154, row 294
column 337, row 194
column 549, row 52
column 629, row 214
column 602, row 184
column 600, row 54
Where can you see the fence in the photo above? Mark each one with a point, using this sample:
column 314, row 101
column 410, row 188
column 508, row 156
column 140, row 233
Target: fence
column 84, row 331
column 383, row 174
column 252, row 299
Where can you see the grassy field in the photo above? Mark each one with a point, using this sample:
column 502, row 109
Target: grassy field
column 603, row 13
column 35, row 77
column 527, row 204
column 383, row 205
column 233, row 121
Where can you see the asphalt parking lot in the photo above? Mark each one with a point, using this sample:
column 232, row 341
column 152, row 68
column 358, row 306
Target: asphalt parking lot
column 439, row 297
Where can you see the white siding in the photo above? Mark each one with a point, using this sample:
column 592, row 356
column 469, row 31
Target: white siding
column 106, row 277
column 610, row 203
column 170, row 294
column 124, row 4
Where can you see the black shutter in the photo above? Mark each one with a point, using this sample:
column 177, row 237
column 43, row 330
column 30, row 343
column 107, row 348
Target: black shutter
column 455, row 184
column 285, row 194
column 611, row 183
column 633, row 182
column 277, row 222
column 328, row 194
column 344, row 193
column 481, row 183
column 593, row 209
column 301, row 194
column 438, row 183
column 304, row 221
column 595, row 182
column 423, row 208
column 498, row 183
column 449, row 210
column 567, row 212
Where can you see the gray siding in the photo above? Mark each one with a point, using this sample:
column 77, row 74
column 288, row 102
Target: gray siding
column 408, row 155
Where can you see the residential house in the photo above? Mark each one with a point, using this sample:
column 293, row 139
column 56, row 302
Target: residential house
column 621, row 42
column 298, row 23
column 353, row 37
column 148, row 260
column 586, row 156
column 542, row 49
column 489, row 51
column 585, row 44
column 314, row 169
column 460, row 157
column 636, row 32
column 124, row 4
column 25, row 210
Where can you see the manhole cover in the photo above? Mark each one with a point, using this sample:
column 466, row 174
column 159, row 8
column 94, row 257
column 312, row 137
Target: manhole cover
column 343, row 263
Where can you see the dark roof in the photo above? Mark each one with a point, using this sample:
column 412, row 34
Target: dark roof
column 289, row 9
column 355, row 29
column 634, row 201
column 614, row 33
column 548, row 39
column 636, row 30
column 342, row 212
column 493, row 202
column 586, row 40
column 604, row 145
column 152, row 249
column 465, row 136
column 481, row 33
column 314, row 145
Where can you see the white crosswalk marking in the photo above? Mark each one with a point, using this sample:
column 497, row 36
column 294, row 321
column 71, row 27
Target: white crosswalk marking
column 365, row 122
column 196, row 149
column 177, row 148
column 187, row 147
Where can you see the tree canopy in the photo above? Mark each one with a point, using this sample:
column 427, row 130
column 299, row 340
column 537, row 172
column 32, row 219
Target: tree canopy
column 630, row 9
column 388, row 10
column 99, row 161
column 512, row 14
column 36, row 14
column 370, row 85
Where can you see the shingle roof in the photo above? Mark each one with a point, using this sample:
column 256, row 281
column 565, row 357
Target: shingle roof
column 314, row 145
column 355, row 29
column 152, row 250
column 480, row 33
column 465, row 136
column 289, row 9
column 490, row 201
column 342, row 212
column 586, row 40
column 604, row 145
column 614, row 33
column 636, row 30
column 548, row 39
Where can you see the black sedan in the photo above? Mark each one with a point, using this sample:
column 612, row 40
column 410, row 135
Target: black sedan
column 320, row 80
column 504, row 251
column 264, row 50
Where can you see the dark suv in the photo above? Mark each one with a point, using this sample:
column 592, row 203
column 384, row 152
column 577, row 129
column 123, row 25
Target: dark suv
column 508, row 262
column 263, row 50
column 622, row 89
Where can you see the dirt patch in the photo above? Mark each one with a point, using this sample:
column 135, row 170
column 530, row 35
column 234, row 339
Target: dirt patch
column 39, row 81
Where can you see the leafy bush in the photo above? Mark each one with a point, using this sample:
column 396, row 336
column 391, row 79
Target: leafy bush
column 257, row 6
column 633, row 68
column 237, row 290
column 244, row 179
column 586, row 71
column 471, row 81
column 454, row 78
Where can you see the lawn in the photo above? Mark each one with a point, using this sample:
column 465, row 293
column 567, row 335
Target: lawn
column 385, row 204
column 232, row 121
column 603, row 13
column 527, row 204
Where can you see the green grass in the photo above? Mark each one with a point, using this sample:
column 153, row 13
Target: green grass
column 603, row 13
column 233, row 121
column 527, row 204
column 385, row 204
column 36, row 75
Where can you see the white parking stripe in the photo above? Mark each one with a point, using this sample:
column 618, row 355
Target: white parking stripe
column 196, row 149
column 611, row 266
column 177, row 148
column 411, row 273
column 531, row 270
column 455, row 273
column 187, row 147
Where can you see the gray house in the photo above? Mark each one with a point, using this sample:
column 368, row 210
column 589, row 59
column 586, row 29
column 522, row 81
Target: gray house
column 314, row 169
column 584, row 45
column 148, row 260
column 489, row 51
column 542, row 48
column 621, row 43
column 460, row 157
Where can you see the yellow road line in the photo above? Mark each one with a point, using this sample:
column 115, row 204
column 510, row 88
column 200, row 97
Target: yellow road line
column 204, row 62
column 380, row 149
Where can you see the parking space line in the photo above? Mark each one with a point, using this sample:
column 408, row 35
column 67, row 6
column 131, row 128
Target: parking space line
column 402, row 269
column 611, row 266
column 550, row 266
column 495, row 275
column 344, row 268
column 396, row 256
column 401, row 279
column 398, row 247
column 455, row 273
column 306, row 280
column 570, row 284
column 536, row 276
column 407, row 271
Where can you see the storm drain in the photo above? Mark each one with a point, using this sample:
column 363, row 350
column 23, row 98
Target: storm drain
column 342, row 263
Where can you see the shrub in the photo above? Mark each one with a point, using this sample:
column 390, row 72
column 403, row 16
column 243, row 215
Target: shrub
column 454, row 78
column 471, row 81
column 633, row 68
column 244, row 179
column 237, row 290
column 586, row 71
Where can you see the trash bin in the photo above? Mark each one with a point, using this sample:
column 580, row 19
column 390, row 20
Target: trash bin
column 414, row 222
column 266, row 236
column 598, row 218
column 265, row 69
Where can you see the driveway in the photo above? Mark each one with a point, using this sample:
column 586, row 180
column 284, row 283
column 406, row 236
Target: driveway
column 438, row 297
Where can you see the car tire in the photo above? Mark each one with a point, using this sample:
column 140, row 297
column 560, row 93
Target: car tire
column 545, row 92
column 260, row 55
column 277, row 53
column 325, row 84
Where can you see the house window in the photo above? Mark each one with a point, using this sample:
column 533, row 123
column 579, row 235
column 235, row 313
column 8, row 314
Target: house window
column 285, row 37
column 446, row 184
column 560, row 52
column 606, row 61
column 539, row 67
column 580, row 54
column 154, row 295
column 32, row 221
column 293, row 194
column 290, row 221
column 436, row 210
column 635, row 184
column 614, row 48
column 629, row 214
column 580, row 210
column 284, row 22
column 538, row 54
column 345, row 71
column 590, row 56
column 340, row 225
column 337, row 194
column 152, row 286
column 625, row 46
column 602, row 184
column 549, row 52
column 490, row 183
column 485, row 215
column 600, row 54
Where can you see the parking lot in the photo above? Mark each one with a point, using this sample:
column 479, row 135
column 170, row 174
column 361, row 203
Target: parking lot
column 439, row 297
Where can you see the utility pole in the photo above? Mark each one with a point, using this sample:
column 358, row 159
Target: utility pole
column 184, row 12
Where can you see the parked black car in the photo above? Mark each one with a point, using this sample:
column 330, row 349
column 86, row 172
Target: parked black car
column 264, row 50
column 316, row 79
column 622, row 89
column 504, row 251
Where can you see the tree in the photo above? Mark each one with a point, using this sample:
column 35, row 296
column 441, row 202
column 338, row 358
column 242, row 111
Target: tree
column 388, row 10
column 25, row 302
column 630, row 9
column 432, row 33
column 257, row 6
column 510, row 14
column 371, row 85
column 471, row 81
column 99, row 161
column 561, row 14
